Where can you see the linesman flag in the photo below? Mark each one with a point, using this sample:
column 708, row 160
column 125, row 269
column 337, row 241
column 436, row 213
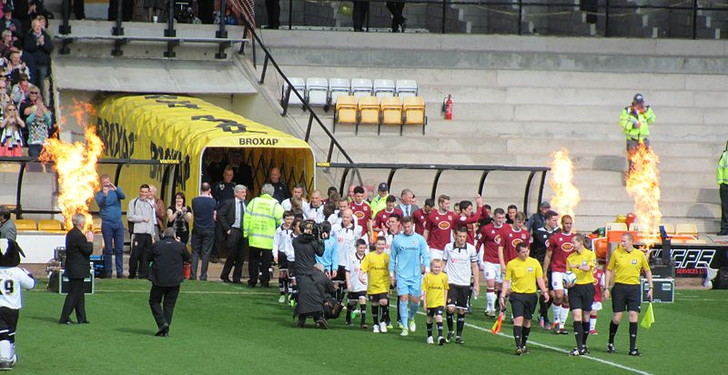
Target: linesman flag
column 649, row 317
column 496, row 328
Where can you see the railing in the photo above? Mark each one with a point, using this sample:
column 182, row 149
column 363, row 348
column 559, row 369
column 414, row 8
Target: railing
column 440, row 168
column 514, row 16
column 313, row 117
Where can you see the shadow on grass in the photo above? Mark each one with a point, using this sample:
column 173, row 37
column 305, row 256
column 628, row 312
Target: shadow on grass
column 47, row 319
column 135, row 331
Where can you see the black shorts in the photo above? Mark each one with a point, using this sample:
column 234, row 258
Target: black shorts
column 354, row 296
column 378, row 297
column 626, row 296
column 291, row 269
column 581, row 296
column 432, row 311
column 523, row 304
column 457, row 296
column 282, row 261
column 9, row 322
column 340, row 274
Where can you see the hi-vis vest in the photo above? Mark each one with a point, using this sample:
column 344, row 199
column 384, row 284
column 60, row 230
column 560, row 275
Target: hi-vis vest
column 262, row 216
column 721, row 173
column 630, row 117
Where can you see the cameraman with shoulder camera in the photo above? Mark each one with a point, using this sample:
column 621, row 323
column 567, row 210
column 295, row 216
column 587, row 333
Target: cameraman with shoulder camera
column 307, row 246
column 313, row 285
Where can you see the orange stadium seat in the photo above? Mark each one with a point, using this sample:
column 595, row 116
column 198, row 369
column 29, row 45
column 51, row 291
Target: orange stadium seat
column 25, row 224
column 50, row 226
column 669, row 228
column 346, row 111
column 414, row 111
column 368, row 111
column 96, row 225
column 391, row 108
column 686, row 229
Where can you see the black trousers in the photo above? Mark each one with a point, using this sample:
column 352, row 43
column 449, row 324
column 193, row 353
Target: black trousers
column 723, row 207
column 75, row 300
column 78, row 9
column 396, row 8
column 8, row 323
column 260, row 260
column 359, row 14
column 162, row 311
column 237, row 247
column 273, row 9
column 140, row 247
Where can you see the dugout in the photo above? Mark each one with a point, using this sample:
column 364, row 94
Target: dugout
column 188, row 129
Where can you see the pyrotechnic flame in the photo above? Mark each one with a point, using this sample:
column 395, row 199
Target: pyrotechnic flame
column 643, row 185
column 566, row 195
column 75, row 165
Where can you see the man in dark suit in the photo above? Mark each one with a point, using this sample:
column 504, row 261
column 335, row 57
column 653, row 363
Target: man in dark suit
column 79, row 247
column 230, row 217
column 165, row 272
column 407, row 203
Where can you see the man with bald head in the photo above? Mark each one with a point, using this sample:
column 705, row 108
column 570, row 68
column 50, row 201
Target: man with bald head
column 281, row 189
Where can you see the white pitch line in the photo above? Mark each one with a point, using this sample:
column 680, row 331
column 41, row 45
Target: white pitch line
column 531, row 342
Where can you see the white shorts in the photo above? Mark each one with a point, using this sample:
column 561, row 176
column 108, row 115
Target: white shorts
column 596, row 306
column 557, row 280
column 436, row 254
column 492, row 271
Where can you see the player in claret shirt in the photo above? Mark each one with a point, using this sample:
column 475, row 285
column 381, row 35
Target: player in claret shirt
column 490, row 239
column 361, row 209
column 380, row 220
column 560, row 247
column 420, row 216
column 442, row 222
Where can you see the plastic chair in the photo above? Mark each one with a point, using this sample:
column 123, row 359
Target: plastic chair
column 361, row 87
column 616, row 227
column 669, row 228
column 414, row 111
column 686, row 228
column 368, row 111
column 391, row 108
column 338, row 87
column 96, row 225
column 25, row 224
column 317, row 92
column 383, row 88
column 406, row 87
column 300, row 85
column 50, row 226
column 346, row 111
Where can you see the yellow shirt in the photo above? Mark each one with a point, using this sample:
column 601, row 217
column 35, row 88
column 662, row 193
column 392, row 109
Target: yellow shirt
column 522, row 274
column 377, row 268
column 434, row 287
column 627, row 265
column 585, row 258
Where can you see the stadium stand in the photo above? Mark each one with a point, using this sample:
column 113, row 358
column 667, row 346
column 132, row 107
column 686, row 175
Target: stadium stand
column 25, row 225
column 338, row 87
column 361, row 87
column 317, row 92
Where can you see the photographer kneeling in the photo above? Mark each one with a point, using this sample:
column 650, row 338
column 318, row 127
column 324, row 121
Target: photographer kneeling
column 313, row 285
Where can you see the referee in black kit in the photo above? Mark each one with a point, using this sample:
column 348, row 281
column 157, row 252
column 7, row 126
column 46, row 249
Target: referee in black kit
column 624, row 268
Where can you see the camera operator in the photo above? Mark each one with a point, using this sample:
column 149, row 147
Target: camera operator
column 313, row 289
column 306, row 247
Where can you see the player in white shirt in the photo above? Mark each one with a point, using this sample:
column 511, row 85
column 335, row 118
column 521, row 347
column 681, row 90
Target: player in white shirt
column 282, row 248
column 461, row 265
column 13, row 280
column 314, row 210
column 298, row 192
column 394, row 227
column 346, row 235
column 357, row 289
column 335, row 218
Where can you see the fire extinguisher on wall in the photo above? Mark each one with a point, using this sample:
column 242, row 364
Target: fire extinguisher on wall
column 447, row 107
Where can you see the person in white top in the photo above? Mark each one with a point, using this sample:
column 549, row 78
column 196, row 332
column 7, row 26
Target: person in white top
column 13, row 280
column 282, row 247
column 346, row 235
column 357, row 290
column 314, row 210
column 298, row 192
column 461, row 265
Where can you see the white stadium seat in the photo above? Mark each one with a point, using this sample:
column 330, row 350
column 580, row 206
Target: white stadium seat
column 338, row 87
column 317, row 91
column 383, row 87
column 300, row 85
column 406, row 87
column 361, row 87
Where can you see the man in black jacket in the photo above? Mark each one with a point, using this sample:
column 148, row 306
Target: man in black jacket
column 79, row 247
column 230, row 217
column 165, row 272
column 313, row 288
column 305, row 248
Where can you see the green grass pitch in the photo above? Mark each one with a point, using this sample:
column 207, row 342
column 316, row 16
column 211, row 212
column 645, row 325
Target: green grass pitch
column 225, row 329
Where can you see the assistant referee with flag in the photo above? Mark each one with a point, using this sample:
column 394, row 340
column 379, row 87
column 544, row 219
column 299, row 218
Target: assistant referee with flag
column 624, row 268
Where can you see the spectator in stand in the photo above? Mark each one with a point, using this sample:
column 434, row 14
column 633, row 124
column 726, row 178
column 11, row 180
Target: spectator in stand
column 78, row 9
column 298, row 192
column 407, row 203
column 511, row 215
column 160, row 212
column 112, row 228
column 203, row 231
column 538, row 219
column 396, row 8
column 154, row 8
column 359, row 14
column 8, row 41
column 273, row 9
column 32, row 103
column 179, row 217
column 380, row 201
column 39, row 124
column 281, row 189
column 7, row 225
column 420, row 215
column 11, row 136
column 16, row 68
column 11, row 23
column 38, row 45
column 20, row 91
column 4, row 96
column 141, row 213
